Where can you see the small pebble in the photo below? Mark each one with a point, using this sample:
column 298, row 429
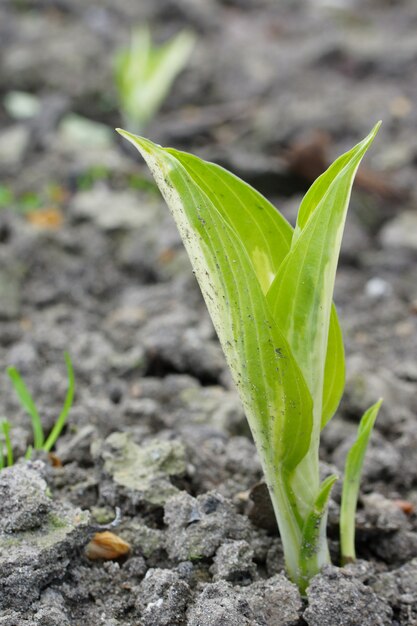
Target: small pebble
column 378, row 288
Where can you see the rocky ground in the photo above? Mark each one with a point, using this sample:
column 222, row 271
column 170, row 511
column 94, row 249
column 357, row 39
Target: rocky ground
column 91, row 263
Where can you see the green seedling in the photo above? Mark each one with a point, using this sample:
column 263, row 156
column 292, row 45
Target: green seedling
column 353, row 469
column 30, row 201
column 144, row 74
column 91, row 176
column 27, row 402
column 6, row 197
column 7, row 459
column 269, row 290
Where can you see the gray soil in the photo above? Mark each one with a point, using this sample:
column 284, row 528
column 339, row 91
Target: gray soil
column 274, row 91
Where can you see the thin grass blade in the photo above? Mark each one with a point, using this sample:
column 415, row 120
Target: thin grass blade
column 5, row 427
column 60, row 422
column 28, row 404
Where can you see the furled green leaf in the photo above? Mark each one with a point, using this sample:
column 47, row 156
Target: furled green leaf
column 301, row 294
column 353, row 470
column 273, row 391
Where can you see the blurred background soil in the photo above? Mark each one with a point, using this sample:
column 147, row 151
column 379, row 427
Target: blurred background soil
column 90, row 262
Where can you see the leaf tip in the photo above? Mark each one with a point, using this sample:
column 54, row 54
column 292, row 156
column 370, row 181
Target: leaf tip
column 370, row 138
column 376, row 127
column 124, row 133
column 142, row 144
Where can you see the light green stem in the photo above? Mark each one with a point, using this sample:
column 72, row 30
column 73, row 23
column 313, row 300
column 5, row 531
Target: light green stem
column 347, row 528
column 300, row 505
column 303, row 536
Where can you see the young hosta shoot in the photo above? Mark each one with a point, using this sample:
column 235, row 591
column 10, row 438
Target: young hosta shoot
column 269, row 290
column 26, row 400
column 144, row 74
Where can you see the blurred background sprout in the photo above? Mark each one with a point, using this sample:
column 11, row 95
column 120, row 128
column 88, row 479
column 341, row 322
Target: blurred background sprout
column 144, row 74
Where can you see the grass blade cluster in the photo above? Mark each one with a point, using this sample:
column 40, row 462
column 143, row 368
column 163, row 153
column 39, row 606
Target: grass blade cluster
column 28, row 403
column 269, row 290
